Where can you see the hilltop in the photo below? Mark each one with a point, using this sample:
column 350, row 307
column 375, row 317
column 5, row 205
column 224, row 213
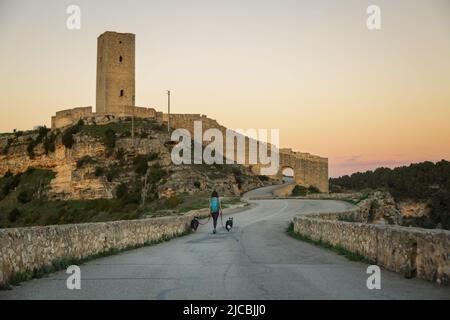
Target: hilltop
column 98, row 172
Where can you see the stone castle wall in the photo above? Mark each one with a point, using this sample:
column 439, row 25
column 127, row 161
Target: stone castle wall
column 413, row 252
column 28, row 249
column 309, row 170
column 70, row 117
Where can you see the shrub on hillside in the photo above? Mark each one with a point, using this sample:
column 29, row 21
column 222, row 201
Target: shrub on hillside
column 172, row 202
column 299, row 191
column 121, row 190
column 110, row 140
column 13, row 215
column 8, row 174
column 155, row 174
column 83, row 161
column 141, row 164
column 49, row 143
column 67, row 137
column 312, row 189
column 11, row 183
column 24, row 197
column 99, row 171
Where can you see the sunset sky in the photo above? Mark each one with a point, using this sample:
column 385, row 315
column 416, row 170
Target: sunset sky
column 362, row 98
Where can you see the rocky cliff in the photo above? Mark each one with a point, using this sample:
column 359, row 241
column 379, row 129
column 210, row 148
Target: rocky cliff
column 91, row 161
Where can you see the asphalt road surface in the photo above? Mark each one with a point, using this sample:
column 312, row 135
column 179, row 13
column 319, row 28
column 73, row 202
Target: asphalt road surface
column 257, row 260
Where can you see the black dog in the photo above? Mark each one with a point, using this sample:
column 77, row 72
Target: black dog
column 229, row 224
column 194, row 223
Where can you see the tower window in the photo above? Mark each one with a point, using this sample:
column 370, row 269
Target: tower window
column 120, row 59
column 121, row 93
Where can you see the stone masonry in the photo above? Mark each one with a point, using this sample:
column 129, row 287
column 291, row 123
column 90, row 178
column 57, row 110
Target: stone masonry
column 413, row 252
column 28, row 249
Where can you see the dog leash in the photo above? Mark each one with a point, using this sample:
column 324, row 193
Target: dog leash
column 209, row 218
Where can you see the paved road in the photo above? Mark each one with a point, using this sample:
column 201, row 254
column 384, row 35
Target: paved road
column 256, row 261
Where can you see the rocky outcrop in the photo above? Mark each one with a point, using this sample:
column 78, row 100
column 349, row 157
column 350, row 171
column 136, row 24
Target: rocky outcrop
column 380, row 208
column 91, row 170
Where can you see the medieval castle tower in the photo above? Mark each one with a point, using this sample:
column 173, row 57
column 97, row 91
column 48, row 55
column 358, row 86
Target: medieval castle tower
column 115, row 92
column 115, row 72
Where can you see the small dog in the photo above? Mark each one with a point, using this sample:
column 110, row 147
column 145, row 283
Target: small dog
column 229, row 224
column 194, row 223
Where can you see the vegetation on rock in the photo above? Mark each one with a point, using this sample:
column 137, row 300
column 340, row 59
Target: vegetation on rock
column 426, row 181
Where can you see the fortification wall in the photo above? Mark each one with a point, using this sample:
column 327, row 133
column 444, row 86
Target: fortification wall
column 70, row 116
column 28, row 249
column 413, row 252
column 309, row 170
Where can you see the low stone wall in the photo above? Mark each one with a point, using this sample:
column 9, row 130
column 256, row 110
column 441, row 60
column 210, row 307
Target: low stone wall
column 27, row 249
column 335, row 196
column 284, row 191
column 414, row 252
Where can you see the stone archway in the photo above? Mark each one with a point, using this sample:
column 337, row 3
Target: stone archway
column 309, row 170
column 287, row 174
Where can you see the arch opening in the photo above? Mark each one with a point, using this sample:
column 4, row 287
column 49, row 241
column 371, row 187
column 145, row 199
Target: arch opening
column 288, row 174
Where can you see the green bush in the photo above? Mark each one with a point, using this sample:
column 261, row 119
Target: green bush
column 85, row 160
column 23, row 197
column 30, row 148
column 155, row 174
column 13, row 215
column 8, row 174
column 236, row 171
column 52, row 219
column 312, row 189
column 141, row 164
column 153, row 156
column 238, row 181
column 99, row 171
column 121, row 190
column 110, row 140
column 6, row 148
column 120, row 155
column 49, row 143
column 11, row 183
column 172, row 202
column 67, row 139
column 197, row 184
column 144, row 135
column 299, row 191
column 111, row 175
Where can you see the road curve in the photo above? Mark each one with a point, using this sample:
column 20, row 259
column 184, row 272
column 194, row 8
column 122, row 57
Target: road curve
column 257, row 260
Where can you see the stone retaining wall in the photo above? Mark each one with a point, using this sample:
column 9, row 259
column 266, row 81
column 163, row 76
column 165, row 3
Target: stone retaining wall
column 27, row 249
column 414, row 252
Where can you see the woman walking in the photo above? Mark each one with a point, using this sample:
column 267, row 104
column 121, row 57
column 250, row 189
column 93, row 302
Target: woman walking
column 214, row 208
